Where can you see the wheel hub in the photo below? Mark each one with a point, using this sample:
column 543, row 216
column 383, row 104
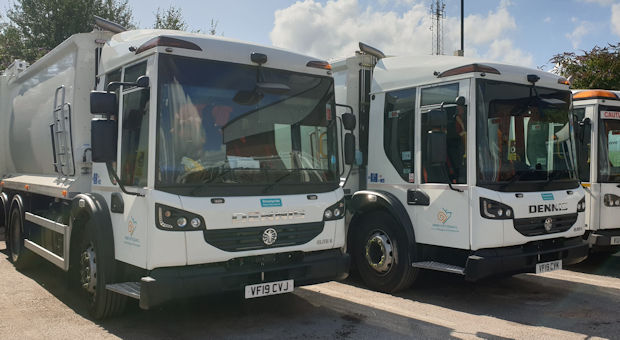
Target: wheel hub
column 88, row 269
column 379, row 252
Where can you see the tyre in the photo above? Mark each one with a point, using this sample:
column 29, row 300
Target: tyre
column 21, row 257
column 95, row 267
column 382, row 253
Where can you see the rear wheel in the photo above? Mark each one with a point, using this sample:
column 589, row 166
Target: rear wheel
column 95, row 269
column 382, row 254
column 21, row 257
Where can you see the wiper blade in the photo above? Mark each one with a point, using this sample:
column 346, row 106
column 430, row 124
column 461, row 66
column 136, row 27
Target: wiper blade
column 279, row 179
column 511, row 180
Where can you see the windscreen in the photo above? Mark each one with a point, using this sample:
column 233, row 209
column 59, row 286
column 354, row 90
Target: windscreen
column 524, row 137
column 609, row 144
column 233, row 129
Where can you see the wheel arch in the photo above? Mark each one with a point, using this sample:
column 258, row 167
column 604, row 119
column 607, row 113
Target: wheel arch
column 93, row 209
column 367, row 201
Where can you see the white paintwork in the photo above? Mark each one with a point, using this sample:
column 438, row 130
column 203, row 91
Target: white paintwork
column 464, row 228
column 26, row 103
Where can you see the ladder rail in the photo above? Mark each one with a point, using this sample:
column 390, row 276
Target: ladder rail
column 62, row 140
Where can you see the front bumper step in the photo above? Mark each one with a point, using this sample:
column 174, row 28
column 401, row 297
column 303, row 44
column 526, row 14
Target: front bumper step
column 131, row 289
column 442, row 267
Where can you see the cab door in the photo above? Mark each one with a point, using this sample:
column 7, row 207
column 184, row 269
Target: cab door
column 129, row 213
column 440, row 212
column 585, row 127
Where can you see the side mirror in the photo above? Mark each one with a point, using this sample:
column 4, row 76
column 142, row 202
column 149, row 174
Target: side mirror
column 437, row 147
column 585, row 121
column 103, row 140
column 104, row 103
column 349, row 148
column 349, row 121
column 460, row 101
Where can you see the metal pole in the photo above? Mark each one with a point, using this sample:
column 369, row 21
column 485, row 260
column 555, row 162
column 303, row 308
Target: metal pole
column 462, row 29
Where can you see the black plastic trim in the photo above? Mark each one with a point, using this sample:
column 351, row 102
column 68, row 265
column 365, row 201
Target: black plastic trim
column 95, row 211
column 523, row 258
column 163, row 284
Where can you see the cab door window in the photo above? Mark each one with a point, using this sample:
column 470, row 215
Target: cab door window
column 398, row 135
column 134, row 133
column 455, row 169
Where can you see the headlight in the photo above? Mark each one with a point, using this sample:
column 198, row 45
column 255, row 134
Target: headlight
column 495, row 210
column 610, row 200
column 334, row 212
column 173, row 219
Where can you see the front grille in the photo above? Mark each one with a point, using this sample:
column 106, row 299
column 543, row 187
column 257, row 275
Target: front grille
column 241, row 239
column 536, row 225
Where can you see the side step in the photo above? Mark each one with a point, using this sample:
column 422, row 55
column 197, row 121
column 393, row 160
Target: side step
column 131, row 289
column 62, row 229
column 442, row 267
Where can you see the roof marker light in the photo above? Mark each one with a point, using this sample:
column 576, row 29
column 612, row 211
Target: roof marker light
column 319, row 64
column 168, row 42
column 564, row 81
column 468, row 69
column 595, row 94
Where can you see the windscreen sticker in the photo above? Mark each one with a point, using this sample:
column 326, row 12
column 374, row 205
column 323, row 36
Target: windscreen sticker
column 406, row 155
column 610, row 114
column 411, row 178
column 393, row 114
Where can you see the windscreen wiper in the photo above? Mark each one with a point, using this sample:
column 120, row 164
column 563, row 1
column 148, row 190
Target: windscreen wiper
column 511, row 180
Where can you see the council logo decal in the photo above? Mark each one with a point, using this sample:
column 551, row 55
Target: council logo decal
column 131, row 227
column 444, row 215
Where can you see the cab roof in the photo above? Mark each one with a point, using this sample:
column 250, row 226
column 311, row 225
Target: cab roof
column 400, row 72
column 123, row 48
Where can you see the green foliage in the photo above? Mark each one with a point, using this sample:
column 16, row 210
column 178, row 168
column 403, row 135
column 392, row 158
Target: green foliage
column 598, row 68
column 37, row 26
column 171, row 19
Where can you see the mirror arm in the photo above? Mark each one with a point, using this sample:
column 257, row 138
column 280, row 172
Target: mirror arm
column 445, row 170
column 345, row 106
column 118, row 181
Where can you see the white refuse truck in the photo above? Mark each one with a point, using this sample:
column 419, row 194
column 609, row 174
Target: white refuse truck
column 597, row 126
column 463, row 166
column 199, row 165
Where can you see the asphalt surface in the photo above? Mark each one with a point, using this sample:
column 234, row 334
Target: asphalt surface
column 582, row 302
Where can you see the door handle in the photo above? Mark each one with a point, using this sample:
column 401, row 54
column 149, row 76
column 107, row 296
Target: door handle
column 417, row 197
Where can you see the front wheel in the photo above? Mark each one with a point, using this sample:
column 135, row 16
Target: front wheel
column 382, row 254
column 96, row 268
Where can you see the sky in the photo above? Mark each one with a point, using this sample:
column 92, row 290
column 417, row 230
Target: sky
column 522, row 32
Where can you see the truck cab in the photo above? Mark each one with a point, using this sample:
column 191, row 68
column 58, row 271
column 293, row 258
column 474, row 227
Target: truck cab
column 597, row 126
column 156, row 164
column 464, row 166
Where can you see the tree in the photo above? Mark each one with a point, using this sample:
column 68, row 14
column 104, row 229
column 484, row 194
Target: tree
column 597, row 68
column 171, row 19
column 37, row 26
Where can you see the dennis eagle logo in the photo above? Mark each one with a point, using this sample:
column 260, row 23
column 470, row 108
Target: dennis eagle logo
column 548, row 224
column 270, row 236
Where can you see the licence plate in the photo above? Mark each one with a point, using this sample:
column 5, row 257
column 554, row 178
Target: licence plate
column 548, row 266
column 269, row 288
column 615, row 240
